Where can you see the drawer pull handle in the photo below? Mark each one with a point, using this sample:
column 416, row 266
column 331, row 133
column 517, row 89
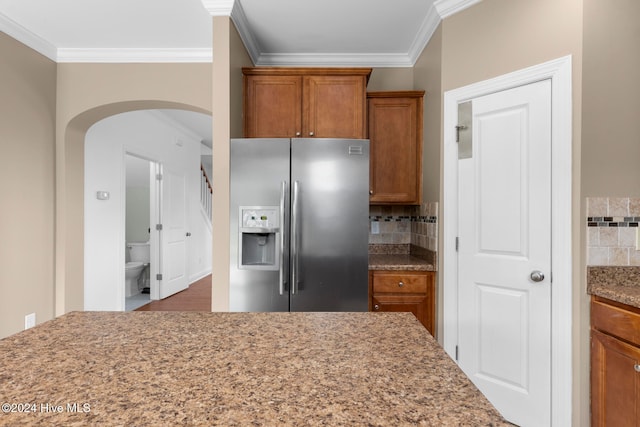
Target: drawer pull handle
column 636, row 367
column 401, row 283
column 377, row 307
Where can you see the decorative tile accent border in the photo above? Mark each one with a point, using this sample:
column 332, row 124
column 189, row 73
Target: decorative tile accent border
column 391, row 218
column 612, row 225
column 613, row 221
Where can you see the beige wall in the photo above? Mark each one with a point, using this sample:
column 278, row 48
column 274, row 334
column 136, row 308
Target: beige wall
column 611, row 95
column 230, row 56
column 27, row 143
column 428, row 77
column 390, row 79
column 238, row 58
column 496, row 37
column 87, row 93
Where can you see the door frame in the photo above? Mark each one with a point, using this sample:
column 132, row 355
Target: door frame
column 154, row 212
column 559, row 72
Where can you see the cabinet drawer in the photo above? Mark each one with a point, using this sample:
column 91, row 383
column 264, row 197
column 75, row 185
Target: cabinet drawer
column 616, row 321
column 402, row 283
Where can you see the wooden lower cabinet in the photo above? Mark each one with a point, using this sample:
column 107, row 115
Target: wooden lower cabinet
column 615, row 365
column 404, row 291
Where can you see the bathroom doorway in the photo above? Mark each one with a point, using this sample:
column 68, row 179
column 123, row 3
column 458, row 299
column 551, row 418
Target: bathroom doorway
column 140, row 214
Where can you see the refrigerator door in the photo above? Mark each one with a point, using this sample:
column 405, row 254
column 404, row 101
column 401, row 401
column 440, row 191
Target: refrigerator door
column 329, row 231
column 259, row 187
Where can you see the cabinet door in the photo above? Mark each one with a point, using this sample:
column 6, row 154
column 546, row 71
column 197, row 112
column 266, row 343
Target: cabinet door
column 395, row 132
column 402, row 291
column 615, row 383
column 272, row 106
column 415, row 304
column 334, row 107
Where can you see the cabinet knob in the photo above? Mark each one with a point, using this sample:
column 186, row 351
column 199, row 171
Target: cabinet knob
column 636, row 367
column 297, row 133
column 377, row 307
column 310, row 133
column 400, row 283
column 371, row 192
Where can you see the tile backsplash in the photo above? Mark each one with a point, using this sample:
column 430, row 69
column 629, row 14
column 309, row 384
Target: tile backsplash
column 410, row 225
column 612, row 227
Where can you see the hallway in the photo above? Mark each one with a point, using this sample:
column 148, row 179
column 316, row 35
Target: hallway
column 197, row 297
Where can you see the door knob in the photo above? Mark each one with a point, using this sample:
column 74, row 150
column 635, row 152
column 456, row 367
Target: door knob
column 537, row 276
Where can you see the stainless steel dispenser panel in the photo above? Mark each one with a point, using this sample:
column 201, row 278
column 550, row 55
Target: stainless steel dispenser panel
column 259, row 173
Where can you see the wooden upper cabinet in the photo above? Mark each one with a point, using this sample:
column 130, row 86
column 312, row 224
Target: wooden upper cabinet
column 334, row 107
column 272, row 106
column 305, row 102
column 395, row 132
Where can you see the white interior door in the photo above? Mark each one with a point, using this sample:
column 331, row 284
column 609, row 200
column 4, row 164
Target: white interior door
column 173, row 246
column 504, row 226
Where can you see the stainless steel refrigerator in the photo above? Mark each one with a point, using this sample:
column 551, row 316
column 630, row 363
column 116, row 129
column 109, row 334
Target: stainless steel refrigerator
column 299, row 224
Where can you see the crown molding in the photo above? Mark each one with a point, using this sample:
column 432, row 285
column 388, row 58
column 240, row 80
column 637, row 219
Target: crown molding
column 447, row 8
column 242, row 25
column 133, row 55
column 428, row 27
column 334, row 60
column 28, row 38
column 219, row 7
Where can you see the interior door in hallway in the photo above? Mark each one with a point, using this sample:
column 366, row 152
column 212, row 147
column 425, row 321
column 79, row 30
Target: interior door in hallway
column 504, row 255
column 173, row 235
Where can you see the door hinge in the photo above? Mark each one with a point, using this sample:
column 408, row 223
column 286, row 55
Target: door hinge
column 456, row 353
column 159, row 276
column 457, row 243
column 159, row 176
column 159, row 227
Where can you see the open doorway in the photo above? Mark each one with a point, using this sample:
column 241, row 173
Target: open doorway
column 139, row 215
column 171, row 154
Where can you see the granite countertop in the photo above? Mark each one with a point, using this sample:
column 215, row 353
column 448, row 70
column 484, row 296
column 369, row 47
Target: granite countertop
column 234, row 369
column 620, row 284
column 398, row 262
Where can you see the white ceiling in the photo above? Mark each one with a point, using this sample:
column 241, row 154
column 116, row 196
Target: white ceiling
column 373, row 33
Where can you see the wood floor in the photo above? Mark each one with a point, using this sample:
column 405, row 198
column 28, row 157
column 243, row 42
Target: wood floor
column 197, row 297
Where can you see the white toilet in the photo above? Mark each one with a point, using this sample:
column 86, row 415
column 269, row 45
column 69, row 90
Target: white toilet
column 139, row 258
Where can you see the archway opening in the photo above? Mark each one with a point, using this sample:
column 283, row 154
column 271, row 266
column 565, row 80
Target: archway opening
column 70, row 247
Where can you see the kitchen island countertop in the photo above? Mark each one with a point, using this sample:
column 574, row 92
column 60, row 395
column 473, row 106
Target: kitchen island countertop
column 234, row 369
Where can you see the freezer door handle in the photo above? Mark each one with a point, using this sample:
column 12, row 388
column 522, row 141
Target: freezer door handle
column 294, row 236
column 283, row 198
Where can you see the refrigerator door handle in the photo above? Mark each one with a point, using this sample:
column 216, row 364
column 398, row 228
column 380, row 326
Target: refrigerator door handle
column 283, row 196
column 294, row 237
